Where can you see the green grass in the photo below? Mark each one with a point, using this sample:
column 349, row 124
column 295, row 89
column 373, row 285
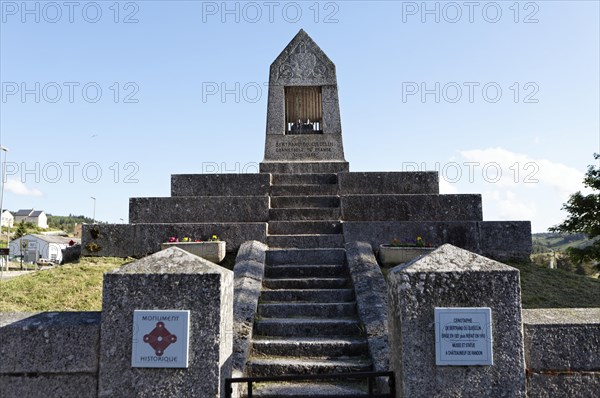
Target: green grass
column 78, row 287
column 552, row 288
column 555, row 288
column 73, row 287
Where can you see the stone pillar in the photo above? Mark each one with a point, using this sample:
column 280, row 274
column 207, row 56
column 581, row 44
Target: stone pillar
column 453, row 277
column 168, row 280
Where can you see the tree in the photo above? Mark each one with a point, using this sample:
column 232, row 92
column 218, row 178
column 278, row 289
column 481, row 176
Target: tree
column 24, row 228
column 21, row 230
column 584, row 217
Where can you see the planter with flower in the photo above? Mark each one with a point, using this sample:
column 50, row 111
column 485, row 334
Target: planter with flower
column 211, row 249
column 398, row 252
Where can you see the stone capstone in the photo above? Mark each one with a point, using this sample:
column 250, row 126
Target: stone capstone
column 171, row 279
column 453, row 277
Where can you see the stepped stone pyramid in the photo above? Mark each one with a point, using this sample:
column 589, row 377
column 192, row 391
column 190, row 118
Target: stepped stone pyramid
column 304, row 195
column 306, row 206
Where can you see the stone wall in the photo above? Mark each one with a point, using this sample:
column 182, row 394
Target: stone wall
column 248, row 274
column 220, row 184
column 562, row 352
column 500, row 240
column 88, row 354
column 394, row 183
column 52, row 354
column 138, row 240
column 372, row 304
column 464, row 207
column 199, row 209
column 56, row 354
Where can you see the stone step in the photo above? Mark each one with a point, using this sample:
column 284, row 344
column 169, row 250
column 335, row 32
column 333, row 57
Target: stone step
column 308, row 213
column 308, row 295
column 303, row 270
column 306, row 327
column 300, row 167
column 306, row 241
column 306, row 256
column 310, row 346
column 285, row 366
column 295, row 202
column 304, row 190
column 299, row 310
column 304, row 227
column 303, row 179
column 341, row 389
column 306, row 283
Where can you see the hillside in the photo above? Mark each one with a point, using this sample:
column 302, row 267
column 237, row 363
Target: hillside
column 556, row 288
column 67, row 223
column 558, row 242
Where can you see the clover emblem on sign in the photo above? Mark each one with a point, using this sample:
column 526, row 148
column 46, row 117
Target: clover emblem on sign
column 160, row 338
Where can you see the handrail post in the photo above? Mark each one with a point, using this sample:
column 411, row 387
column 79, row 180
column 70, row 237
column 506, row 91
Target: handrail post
column 392, row 384
column 370, row 376
column 228, row 388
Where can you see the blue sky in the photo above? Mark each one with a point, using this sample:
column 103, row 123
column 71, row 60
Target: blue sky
column 108, row 99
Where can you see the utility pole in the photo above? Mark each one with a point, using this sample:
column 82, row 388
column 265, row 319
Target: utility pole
column 94, row 214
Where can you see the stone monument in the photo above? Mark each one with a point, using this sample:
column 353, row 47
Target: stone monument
column 304, row 130
column 309, row 295
column 305, row 196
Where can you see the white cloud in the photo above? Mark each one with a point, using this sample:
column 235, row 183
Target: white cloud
column 18, row 188
column 508, row 169
column 509, row 206
column 515, row 186
column 447, row 188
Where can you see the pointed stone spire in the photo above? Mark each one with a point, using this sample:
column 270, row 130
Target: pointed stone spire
column 303, row 113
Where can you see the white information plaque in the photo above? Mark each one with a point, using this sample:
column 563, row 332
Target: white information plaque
column 160, row 339
column 463, row 336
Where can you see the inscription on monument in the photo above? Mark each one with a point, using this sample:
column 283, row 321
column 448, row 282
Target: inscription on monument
column 160, row 339
column 463, row 336
column 301, row 149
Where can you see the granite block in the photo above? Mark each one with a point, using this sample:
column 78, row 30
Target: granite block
column 220, row 184
column 276, row 109
column 463, row 234
column 562, row 339
column 305, row 147
column 248, row 273
column 107, row 240
column 372, row 302
column 506, row 240
column 580, row 385
column 301, row 167
column 302, row 63
column 390, row 183
column 170, row 280
column 199, row 209
column 453, row 277
column 463, row 207
column 332, row 123
column 148, row 237
column 49, row 342
column 76, row 385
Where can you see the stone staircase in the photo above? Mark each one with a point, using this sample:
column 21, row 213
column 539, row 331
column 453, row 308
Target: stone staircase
column 307, row 321
column 305, row 212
